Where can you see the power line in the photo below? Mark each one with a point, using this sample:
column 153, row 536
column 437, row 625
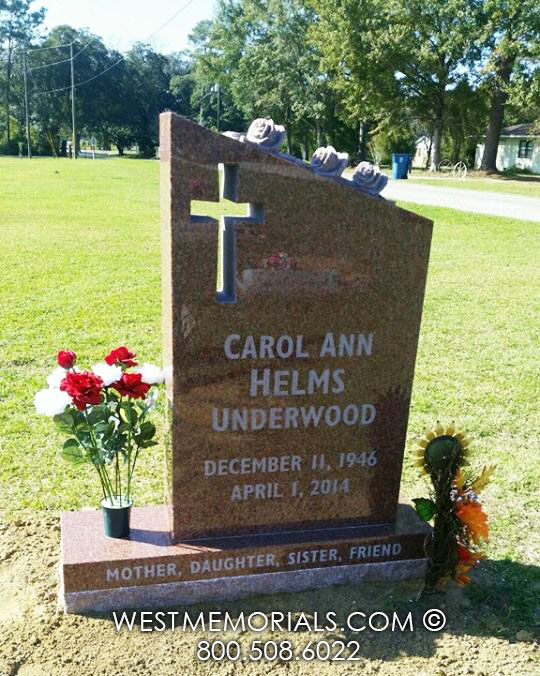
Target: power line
column 122, row 58
column 40, row 49
column 34, row 49
column 48, row 65
column 173, row 17
column 55, row 63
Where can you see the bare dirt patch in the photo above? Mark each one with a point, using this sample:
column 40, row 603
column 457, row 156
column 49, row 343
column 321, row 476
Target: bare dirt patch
column 483, row 635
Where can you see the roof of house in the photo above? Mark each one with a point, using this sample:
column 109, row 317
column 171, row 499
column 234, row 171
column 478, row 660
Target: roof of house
column 525, row 129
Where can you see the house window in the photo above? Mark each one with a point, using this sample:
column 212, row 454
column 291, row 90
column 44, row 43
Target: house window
column 525, row 149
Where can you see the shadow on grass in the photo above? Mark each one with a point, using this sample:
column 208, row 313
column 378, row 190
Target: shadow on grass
column 521, row 178
column 501, row 601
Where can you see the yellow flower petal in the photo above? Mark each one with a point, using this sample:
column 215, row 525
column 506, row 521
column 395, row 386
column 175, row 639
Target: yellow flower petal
column 439, row 430
column 450, row 429
column 483, row 479
column 430, row 435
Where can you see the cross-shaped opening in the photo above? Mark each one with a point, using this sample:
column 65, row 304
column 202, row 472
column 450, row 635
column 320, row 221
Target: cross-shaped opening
column 226, row 254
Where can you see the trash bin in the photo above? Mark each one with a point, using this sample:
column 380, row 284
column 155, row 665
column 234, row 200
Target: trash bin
column 400, row 165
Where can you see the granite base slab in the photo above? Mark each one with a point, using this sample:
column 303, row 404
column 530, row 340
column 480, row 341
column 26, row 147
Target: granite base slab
column 241, row 586
column 149, row 570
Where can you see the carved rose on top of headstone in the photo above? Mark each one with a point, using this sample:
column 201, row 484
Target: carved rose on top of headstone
column 265, row 134
column 236, row 135
column 328, row 162
column 368, row 178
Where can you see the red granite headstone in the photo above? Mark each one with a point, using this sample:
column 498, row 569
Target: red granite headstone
column 290, row 387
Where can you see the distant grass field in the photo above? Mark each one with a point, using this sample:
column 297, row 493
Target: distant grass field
column 529, row 186
column 80, row 269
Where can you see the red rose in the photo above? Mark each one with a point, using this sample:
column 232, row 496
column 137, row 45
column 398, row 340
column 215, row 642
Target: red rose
column 131, row 385
column 66, row 359
column 84, row 388
column 121, row 357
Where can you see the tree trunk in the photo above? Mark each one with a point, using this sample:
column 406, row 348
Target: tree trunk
column 436, row 144
column 8, row 95
column 120, row 148
column 456, row 154
column 318, row 131
column 428, row 156
column 363, row 141
column 496, row 115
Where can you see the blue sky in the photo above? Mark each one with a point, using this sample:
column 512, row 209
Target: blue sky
column 122, row 22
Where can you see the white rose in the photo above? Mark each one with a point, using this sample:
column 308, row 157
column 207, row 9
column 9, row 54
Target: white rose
column 109, row 374
column 151, row 374
column 51, row 402
column 56, row 377
column 328, row 162
column 266, row 134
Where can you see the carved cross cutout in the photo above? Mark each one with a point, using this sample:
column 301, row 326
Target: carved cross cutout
column 226, row 266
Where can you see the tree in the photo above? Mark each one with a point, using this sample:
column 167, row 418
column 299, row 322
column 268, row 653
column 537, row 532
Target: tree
column 262, row 56
column 399, row 53
column 18, row 26
column 511, row 40
column 151, row 94
column 50, row 84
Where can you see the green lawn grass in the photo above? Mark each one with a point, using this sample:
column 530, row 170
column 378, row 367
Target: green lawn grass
column 528, row 186
column 80, row 269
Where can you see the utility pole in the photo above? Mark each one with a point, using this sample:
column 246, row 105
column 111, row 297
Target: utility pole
column 73, row 121
column 218, row 91
column 26, row 105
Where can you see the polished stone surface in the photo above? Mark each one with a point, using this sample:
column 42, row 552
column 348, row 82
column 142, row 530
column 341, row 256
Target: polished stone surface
column 289, row 389
column 91, row 561
column 227, row 589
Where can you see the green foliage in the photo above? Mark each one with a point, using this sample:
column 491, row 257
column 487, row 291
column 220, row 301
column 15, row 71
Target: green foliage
column 425, row 508
column 393, row 141
column 263, row 57
column 106, row 433
column 510, row 37
column 398, row 60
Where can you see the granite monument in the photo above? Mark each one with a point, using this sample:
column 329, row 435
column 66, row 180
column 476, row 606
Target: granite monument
column 290, row 334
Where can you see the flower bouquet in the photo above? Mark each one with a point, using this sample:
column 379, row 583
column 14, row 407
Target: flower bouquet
column 104, row 411
column 460, row 526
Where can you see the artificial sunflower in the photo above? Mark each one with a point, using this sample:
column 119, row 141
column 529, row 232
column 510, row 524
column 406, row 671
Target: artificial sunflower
column 459, row 523
column 441, row 448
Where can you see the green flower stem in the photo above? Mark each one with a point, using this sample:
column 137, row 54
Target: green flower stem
column 131, row 468
column 108, row 482
column 443, row 560
column 130, row 472
column 104, row 487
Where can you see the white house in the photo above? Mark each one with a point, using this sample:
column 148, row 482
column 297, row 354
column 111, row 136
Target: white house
column 518, row 147
column 423, row 148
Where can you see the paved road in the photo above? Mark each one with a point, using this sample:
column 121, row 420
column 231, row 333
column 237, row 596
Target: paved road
column 480, row 202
